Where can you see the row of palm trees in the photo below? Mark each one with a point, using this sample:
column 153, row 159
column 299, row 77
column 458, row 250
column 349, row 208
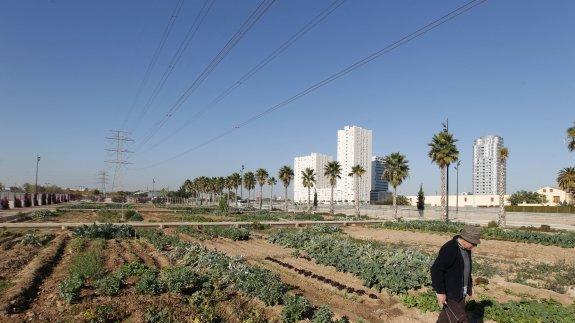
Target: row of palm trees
column 332, row 171
column 211, row 189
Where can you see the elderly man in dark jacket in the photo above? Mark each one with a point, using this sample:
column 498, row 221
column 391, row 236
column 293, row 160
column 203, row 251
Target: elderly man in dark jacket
column 451, row 274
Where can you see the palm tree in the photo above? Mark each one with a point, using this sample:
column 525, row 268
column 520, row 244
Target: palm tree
column 262, row 176
column 249, row 183
column 236, row 179
column 308, row 180
column 395, row 171
column 566, row 180
column 503, row 154
column 286, row 175
column 271, row 182
column 571, row 138
column 357, row 172
column 443, row 152
column 230, row 184
column 333, row 171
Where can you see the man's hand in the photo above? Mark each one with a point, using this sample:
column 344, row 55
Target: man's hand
column 441, row 299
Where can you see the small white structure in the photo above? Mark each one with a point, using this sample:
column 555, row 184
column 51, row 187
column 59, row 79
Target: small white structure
column 464, row 200
column 554, row 195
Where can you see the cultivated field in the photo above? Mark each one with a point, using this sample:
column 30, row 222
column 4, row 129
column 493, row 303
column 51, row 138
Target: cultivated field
column 380, row 273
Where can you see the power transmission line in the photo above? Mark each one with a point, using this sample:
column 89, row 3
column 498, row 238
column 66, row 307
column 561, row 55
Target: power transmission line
column 152, row 63
column 176, row 58
column 244, row 28
column 259, row 66
column 407, row 38
column 120, row 139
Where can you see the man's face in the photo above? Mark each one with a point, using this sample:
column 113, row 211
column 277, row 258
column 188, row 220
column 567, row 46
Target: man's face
column 467, row 245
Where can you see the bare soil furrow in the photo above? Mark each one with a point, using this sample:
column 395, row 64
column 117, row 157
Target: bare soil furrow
column 31, row 281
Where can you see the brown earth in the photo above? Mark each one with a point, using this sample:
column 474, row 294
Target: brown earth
column 382, row 309
column 14, row 259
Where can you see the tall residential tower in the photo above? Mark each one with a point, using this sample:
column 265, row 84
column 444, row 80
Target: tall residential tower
column 486, row 164
column 354, row 147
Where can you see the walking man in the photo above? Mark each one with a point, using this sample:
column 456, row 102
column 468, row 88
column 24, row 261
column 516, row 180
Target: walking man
column 451, row 274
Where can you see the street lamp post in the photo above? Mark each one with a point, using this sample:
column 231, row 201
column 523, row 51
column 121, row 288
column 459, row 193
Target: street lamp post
column 36, row 185
column 457, row 187
column 241, row 185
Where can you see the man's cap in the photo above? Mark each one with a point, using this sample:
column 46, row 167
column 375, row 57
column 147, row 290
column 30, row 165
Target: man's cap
column 471, row 234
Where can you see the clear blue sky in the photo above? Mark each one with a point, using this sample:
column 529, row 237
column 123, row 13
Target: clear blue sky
column 69, row 71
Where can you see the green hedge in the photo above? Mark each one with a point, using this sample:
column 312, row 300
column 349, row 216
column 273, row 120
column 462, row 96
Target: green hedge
column 540, row 209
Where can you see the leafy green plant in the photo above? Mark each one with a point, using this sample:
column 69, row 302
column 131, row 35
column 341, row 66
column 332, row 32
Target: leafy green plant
column 133, row 215
column 70, row 288
column 323, row 315
column 158, row 315
column 109, row 285
column 425, row 302
column 36, row 240
column 210, row 232
column 179, row 279
column 296, row 308
column 44, row 213
column 149, row 283
column 523, row 311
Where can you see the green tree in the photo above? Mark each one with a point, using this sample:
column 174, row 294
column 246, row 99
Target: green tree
column 286, row 175
column 395, row 171
column 230, row 185
column 262, row 177
column 420, row 198
column 249, row 183
column 443, row 152
column 333, row 172
column 566, row 180
column 571, row 138
column 272, row 182
column 503, row 153
column 357, row 172
column 308, row 181
column 527, row 197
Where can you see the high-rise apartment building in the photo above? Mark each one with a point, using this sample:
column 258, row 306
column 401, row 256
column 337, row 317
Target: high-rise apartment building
column 486, row 164
column 354, row 147
column 316, row 162
column 379, row 187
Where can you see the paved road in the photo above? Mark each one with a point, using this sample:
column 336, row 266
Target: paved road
column 52, row 225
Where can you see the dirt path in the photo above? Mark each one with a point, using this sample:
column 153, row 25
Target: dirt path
column 160, row 259
column 488, row 248
column 137, row 248
column 113, row 256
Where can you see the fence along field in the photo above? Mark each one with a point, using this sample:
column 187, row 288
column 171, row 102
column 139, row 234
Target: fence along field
column 185, row 273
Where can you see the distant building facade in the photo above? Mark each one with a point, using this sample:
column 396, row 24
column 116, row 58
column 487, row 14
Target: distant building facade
column 379, row 187
column 555, row 196
column 464, row 200
column 486, row 164
column 316, row 162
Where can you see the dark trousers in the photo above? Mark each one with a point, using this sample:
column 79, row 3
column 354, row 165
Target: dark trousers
column 453, row 312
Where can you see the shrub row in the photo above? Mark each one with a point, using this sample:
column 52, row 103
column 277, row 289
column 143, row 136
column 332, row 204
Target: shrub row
column 104, row 231
column 88, row 264
column 396, row 269
column 561, row 238
column 211, row 232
